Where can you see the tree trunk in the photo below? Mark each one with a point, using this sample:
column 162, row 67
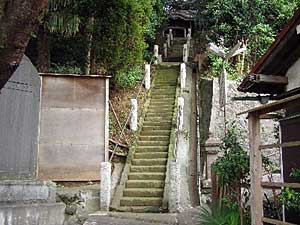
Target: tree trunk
column 43, row 58
column 18, row 19
column 90, row 29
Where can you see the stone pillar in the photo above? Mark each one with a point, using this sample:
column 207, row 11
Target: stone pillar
column 174, row 192
column 171, row 34
column 185, row 53
column 147, row 76
column 182, row 75
column 168, row 40
column 134, row 115
column 184, row 33
column 156, row 54
column 180, row 113
column 166, row 50
column 105, row 186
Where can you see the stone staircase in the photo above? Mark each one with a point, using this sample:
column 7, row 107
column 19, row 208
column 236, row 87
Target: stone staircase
column 144, row 187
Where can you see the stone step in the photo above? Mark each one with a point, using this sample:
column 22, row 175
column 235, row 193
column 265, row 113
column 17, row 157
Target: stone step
column 161, row 114
column 160, row 124
column 140, row 209
column 153, row 143
column 162, row 96
column 149, row 149
column 162, row 101
column 148, row 126
column 149, row 162
column 160, row 110
column 141, row 201
column 154, row 138
column 146, row 176
column 155, row 132
column 145, row 184
column 159, row 107
column 158, row 118
column 143, row 192
column 148, row 169
column 151, row 155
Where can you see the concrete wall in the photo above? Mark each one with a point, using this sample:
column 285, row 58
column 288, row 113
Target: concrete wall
column 73, row 138
column 19, row 113
column 293, row 76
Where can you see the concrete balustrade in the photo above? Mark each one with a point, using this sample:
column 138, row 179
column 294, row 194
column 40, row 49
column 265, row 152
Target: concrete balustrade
column 174, row 192
column 180, row 113
column 156, row 50
column 185, row 53
column 134, row 115
column 171, row 34
column 168, row 40
column 182, row 75
column 147, row 76
column 166, row 50
column 105, row 186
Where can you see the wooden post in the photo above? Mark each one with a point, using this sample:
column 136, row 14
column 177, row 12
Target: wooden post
column 255, row 170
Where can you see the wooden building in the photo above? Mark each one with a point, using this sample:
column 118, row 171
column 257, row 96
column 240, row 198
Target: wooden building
column 276, row 76
column 180, row 21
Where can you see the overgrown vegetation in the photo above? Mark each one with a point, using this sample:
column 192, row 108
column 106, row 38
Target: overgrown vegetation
column 99, row 37
column 232, row 168
column 253, row 22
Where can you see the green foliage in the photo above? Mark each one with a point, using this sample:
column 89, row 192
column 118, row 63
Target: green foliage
column 295, row 172
column 290, row 198
column 68, row 69
column 234, row 164
column 215, row 215
column 254, row 22
column 128, row 78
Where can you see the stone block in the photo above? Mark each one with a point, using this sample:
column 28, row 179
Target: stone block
column 32, row 214
column 26, row 191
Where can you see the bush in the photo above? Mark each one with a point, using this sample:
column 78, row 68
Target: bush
column 128, row 78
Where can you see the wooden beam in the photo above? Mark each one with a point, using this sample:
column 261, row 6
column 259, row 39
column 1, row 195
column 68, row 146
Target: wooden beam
column 274, row 106
column 270, row 116
column 276, row 222
column 282, row 145
column 269, row 79
column 255, row 170
column 279, row 185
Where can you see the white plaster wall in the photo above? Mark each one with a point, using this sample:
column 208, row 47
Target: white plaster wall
column 293, row 76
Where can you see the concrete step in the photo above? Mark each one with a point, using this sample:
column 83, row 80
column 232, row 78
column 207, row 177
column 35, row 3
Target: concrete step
column 148, row 169
column 145, row 184
column 149, row 162
column 153, row 143
column 155, row 132
column 160, row 124
column 160, row 110
column 146, row 176
column 158, row 118
column 143, row 192
column 149, row 126
column 154, row 138
column 141, row 201
column 162, row 96
column 140, row 209
column 170, row 98
column 151, row 155
column 160, row 114
column 149, row 149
